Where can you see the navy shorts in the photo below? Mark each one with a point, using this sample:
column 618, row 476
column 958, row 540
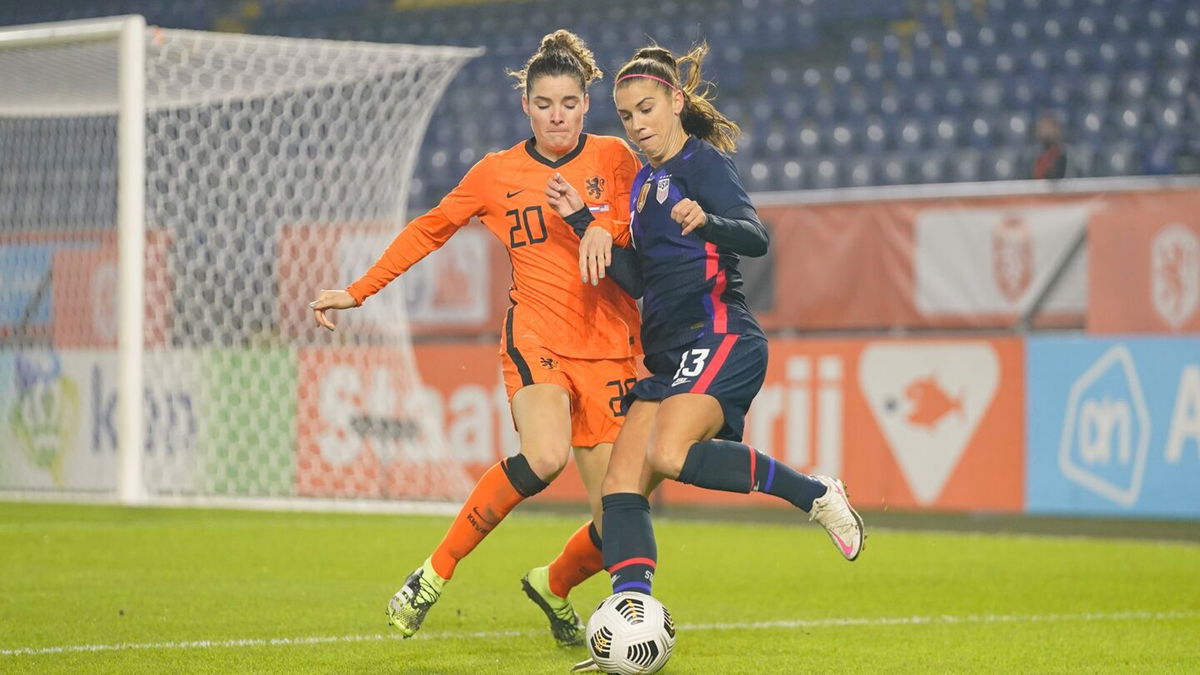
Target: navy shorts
column 730, row 368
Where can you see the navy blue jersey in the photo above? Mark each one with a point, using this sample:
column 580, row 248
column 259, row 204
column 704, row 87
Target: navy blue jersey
column 692, row 285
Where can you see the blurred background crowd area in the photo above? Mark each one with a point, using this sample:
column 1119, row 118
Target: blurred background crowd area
column 829, row 94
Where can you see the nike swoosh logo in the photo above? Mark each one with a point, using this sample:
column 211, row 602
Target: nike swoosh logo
column 846, row 548
column 510, row 195
column 480, row 516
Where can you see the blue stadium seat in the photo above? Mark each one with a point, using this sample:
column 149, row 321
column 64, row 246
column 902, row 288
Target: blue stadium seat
column 874, row 138
column 1090, row 124
column 759, row 178
column 860, row 172
column 841, row 140
column 926, row 90
column 932, row 167
column 1003, row 164
column 945, row 133
column 793, row 175
column 982, row 132
column 1117, row 159
column 965, row 166
column 895, row 170
column 911, row 136
column 827, row 174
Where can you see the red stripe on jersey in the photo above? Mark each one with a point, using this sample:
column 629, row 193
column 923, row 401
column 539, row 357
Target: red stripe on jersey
column 714, row 366
column 712, row 270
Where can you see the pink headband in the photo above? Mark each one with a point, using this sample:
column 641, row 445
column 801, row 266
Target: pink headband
column 648, row 77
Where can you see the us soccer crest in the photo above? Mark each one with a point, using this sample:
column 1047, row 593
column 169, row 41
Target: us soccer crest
column 642, row 196
column 664, row 188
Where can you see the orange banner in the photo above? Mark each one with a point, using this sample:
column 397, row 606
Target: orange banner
column 1144, row 265
column 907, row 424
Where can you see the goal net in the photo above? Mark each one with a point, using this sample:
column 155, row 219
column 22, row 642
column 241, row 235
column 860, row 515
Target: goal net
column 155, row 340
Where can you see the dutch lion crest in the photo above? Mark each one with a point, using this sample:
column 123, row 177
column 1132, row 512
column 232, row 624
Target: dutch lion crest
column 595, row 186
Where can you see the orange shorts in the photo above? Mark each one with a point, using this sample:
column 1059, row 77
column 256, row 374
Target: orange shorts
column 595, row 387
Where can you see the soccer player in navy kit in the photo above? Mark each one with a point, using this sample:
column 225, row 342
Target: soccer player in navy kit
column 707, row 355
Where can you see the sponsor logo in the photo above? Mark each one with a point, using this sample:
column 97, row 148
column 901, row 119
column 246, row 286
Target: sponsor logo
column 1106, row 431
column 476, row 518
column 663, row 189
column 514, row 193
column 808, row 405
column 1012, row 257
column 1175, row 274
column 44, row 417
column 595, row 187
column 928, row 400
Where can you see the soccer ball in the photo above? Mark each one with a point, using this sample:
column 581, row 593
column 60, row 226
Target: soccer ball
column 630, row 633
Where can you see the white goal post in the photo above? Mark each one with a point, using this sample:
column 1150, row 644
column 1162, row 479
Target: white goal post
column 206, row 184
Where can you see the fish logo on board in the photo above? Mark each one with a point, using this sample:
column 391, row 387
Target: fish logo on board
column 928, row 398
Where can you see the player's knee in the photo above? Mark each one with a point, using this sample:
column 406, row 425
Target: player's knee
column 666, row 456
column 546, row 463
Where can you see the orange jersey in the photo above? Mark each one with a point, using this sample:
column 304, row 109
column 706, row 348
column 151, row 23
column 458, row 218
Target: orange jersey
column 551, row 307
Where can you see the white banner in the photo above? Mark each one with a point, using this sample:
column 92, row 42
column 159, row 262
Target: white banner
column 995, row 261
column 58, row 419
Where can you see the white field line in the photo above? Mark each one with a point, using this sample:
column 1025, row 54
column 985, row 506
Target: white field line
column 832, row 622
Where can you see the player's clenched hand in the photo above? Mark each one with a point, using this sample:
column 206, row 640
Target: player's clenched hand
column 328, row 300
column 562, row 196
column 688, row 214
column 595, row 254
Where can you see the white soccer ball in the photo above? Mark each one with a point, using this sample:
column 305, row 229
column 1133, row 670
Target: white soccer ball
column 630, row 634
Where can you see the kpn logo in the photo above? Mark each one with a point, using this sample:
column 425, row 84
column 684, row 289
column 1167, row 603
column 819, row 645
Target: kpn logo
column 1106, row 431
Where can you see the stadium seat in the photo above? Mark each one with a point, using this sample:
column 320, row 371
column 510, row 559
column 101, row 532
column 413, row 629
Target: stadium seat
column 894, row 170
column 1003, row 164
column 928, row 90
column 827, row 174
column 931, row 167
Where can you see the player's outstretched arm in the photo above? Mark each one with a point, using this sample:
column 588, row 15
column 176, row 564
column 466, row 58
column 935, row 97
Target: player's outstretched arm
column 329, row 300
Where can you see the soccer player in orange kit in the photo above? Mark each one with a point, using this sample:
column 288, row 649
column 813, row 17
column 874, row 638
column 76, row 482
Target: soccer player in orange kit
column 570, row 338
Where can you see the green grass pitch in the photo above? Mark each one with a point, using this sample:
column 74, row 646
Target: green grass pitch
column 106, row 589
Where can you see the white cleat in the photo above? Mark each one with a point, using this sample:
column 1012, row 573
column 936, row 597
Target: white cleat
column 833, row 511
column 586, row 666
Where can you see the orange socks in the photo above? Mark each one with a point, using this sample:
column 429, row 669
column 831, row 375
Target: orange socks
column 579, row 560
column 500, row 489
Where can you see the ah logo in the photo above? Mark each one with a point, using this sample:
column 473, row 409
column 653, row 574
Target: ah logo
column 928, row 399
column 1106, row 432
